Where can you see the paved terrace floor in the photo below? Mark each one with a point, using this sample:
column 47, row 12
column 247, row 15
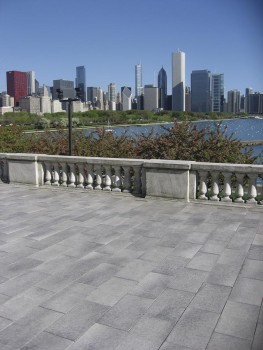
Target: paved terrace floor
column 83, row 270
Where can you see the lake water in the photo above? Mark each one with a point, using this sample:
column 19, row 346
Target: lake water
column 244, row 129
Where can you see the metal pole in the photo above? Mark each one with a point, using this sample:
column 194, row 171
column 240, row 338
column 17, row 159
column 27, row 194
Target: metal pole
column 69, row 128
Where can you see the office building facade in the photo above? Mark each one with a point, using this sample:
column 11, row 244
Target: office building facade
column 233, row 101
column 126, row 98
column 138, row 80
column 217, row 93
column 31, row 83
column 151, row 98
column 81, row 82
column 162, row 85
column 200, row 91
column 178, row 81
column 16, row 85
column 67, row 86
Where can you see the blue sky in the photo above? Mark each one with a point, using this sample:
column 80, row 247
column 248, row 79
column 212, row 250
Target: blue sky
column 109, row 37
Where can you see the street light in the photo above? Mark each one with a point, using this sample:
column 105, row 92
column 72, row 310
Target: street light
column 69, row 100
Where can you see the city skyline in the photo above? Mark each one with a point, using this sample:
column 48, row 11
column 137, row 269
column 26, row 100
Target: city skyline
column 222, row 37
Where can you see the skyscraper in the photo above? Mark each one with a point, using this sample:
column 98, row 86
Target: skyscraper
column 112, row 96
column 126, row 96
column 233, row 101
column 16, row 85
column 138, row 80
column 31, row 83
column 81, row 82
column 151, row 97
column 67, row 86
column 218, row 93
column 178, row 81
column 200, row 91
column 162, row 85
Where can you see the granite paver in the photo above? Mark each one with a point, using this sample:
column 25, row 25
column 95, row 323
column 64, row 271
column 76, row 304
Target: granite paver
column 93, row 270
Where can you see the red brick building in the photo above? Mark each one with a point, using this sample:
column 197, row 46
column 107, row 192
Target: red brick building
column 16, row 85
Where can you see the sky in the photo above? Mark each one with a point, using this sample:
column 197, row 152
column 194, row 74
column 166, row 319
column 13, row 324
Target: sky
column 109, row 37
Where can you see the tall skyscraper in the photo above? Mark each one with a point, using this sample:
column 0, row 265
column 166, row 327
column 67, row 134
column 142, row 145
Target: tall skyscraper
column 138, row 80
column 126, row 96
column 178, row 81
column 16, row 85
column 200, row 91
column 112, row 96
column 218, row 93
column 92, row 93
column 162, row 85
column 31, row 83
column 81, row 82
column 249, row 91
column 151, row 97
column 67, row 86
column 233, row 101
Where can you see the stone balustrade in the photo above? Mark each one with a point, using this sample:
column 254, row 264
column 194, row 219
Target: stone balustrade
column 182, row 180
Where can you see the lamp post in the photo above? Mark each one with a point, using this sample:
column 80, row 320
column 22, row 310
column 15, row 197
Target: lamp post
column 69, row 100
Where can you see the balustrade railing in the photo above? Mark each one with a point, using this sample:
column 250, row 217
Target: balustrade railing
column 230, row 184
column 188, row 181
column 99, row 174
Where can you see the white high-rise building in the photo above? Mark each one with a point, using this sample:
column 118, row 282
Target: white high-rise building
column 138, row 80
column 31, row 83
column 126, row 99
column 178, row 81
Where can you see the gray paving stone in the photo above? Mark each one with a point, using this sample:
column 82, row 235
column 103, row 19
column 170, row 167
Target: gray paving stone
column 169, row 346
column 247, row 290
column 110, row 292
column 19, row 333
column 197, row 237
column 99, row 337
column 238, row 320
column 47, row 341
column 126, row 312
column 152, row 329
column 19, row 267
column 225, row 275
column 123, row 257
column 170, row 264
column 151, row 286
column 4, row 322
column 194, row 328
column 136, row 270
column 99, row 274
column 16, row 307
column 188, row 280
column 136, row 342
column 252, row 269
column 258, row 339
column 232, row 257
column 21, row 283
column 68, row 298
column 77, row 321
column 170, row 305
column 258, row 240
column 203, row 261
column 213, row 246
column 211, row 297
column 226, row 342
column 186, row 250
column 156, row 254
column 241, row 241
column 255, row 252
column 58, row 264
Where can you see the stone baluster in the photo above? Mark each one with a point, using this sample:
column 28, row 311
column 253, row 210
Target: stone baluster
column 48, row 175
column 72, row 175
column 98, row 178
column 81, row 176
column 90, row 180
column 227, row 188
column 239, row 188
column 252, row 188
column 117, row 180
column 127, row 179
column 215, row 187
column 107, row 179
column 56, row 175
column 202, row 185
column 137, row 185
column 64, row 174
